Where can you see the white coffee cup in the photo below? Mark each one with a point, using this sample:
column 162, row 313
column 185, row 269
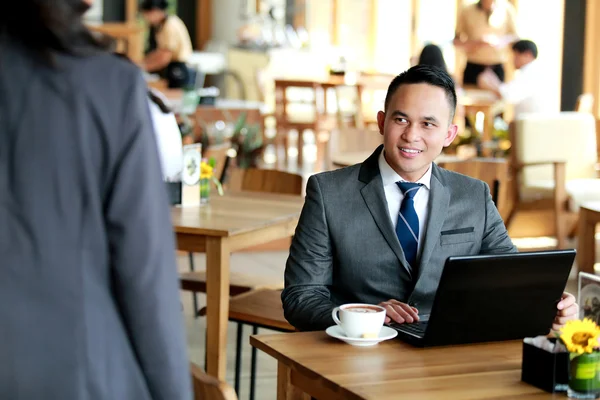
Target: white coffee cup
column 359, row 320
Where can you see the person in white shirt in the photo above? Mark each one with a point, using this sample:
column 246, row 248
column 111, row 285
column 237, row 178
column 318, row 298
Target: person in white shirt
column 526, row 90
column 168, row 136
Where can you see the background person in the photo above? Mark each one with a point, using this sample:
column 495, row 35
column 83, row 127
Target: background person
column 169, row 44
column 484, row 30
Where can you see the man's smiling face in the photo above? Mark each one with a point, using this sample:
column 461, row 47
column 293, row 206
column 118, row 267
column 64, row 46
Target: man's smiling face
column 416, row 126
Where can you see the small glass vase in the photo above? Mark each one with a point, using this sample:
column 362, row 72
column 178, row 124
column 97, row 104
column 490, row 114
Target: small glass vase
column 584, row 376
column 204, row 190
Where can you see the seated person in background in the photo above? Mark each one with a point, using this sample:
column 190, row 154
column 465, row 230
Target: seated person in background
column 527, row 90
column 483, row 31
column 169, row 46
column 380, row 232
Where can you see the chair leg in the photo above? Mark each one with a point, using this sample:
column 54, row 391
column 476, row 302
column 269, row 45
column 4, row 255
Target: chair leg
column 194, row 295
column 253, row 366
column 238, row 357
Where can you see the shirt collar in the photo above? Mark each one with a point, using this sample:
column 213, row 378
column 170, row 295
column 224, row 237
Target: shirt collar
column 389, row 176
column 528, row 66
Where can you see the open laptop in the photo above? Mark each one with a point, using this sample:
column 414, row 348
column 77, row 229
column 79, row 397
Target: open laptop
column 496, row 297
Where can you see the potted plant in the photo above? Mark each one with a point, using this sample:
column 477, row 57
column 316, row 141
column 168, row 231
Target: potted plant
column 580, row 337
column 248, row 143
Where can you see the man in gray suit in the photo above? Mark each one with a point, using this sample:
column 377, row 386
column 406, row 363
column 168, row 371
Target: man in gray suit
column 380, row 232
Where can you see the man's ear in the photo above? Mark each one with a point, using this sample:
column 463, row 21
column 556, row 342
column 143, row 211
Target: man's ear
column 380, row 121
column 451, row 134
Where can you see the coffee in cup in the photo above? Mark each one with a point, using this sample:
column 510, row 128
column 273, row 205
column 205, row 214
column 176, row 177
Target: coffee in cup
column 359, row 320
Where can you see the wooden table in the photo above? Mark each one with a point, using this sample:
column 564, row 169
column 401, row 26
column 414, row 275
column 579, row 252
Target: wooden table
column 313, row 364
column 229, row 223
column 355, row 157
column 477, row 100
column 589, row 217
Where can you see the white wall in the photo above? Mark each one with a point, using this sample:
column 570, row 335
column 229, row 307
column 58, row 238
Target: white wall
column 392, row 44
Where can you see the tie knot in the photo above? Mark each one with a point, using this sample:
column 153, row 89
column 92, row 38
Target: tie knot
column 409, row 189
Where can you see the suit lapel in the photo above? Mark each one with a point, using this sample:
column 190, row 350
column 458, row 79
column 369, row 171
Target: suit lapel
column 374, row 197
column 439, row 198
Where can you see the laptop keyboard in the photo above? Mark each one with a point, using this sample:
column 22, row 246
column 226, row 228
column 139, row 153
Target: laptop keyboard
column 416, row 328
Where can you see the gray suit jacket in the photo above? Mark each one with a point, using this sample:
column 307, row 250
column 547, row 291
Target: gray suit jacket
column 345, row 249
column 89, row 300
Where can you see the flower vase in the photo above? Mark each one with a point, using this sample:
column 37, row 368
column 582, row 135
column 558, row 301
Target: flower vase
column 204, row 190
column 584, row 376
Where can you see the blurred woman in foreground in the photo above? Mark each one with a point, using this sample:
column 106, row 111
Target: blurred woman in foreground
column 89, row 302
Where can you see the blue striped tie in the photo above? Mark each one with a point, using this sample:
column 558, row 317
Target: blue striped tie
column 407, row 228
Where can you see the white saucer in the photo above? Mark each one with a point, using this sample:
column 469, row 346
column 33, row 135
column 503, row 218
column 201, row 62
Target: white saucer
column 385, row 334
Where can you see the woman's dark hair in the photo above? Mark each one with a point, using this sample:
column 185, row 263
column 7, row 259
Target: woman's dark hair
column 432, row 55
column 49, row 26
column 428, row 74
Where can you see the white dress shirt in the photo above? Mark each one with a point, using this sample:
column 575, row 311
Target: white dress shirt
column 527, row 91
column 394, row 196
column 168, row 139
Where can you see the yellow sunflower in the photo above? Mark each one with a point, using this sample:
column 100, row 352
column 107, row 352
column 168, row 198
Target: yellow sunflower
column 206, row 171
column 580, row 336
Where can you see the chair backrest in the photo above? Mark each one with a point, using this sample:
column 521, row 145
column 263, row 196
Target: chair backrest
column 493, row 171
column 219, row 153
column 208, row 387
column 354, row 139
column 564, row 136
column 585, row 103
column 265, row 180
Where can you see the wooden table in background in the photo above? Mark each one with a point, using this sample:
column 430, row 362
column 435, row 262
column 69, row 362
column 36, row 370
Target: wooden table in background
column 227, row 224
column 314, row 364
column 477, row 100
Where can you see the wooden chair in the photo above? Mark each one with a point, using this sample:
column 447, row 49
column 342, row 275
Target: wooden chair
column 264, row 180
column 493, row 171
column 351, row 140
column 554, row 158
column 261, row 308
column 254, row 180
column 300, row 114
column 208, row 387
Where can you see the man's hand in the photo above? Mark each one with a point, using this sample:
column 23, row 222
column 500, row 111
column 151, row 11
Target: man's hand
column 399, row 312
column 567, row 310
